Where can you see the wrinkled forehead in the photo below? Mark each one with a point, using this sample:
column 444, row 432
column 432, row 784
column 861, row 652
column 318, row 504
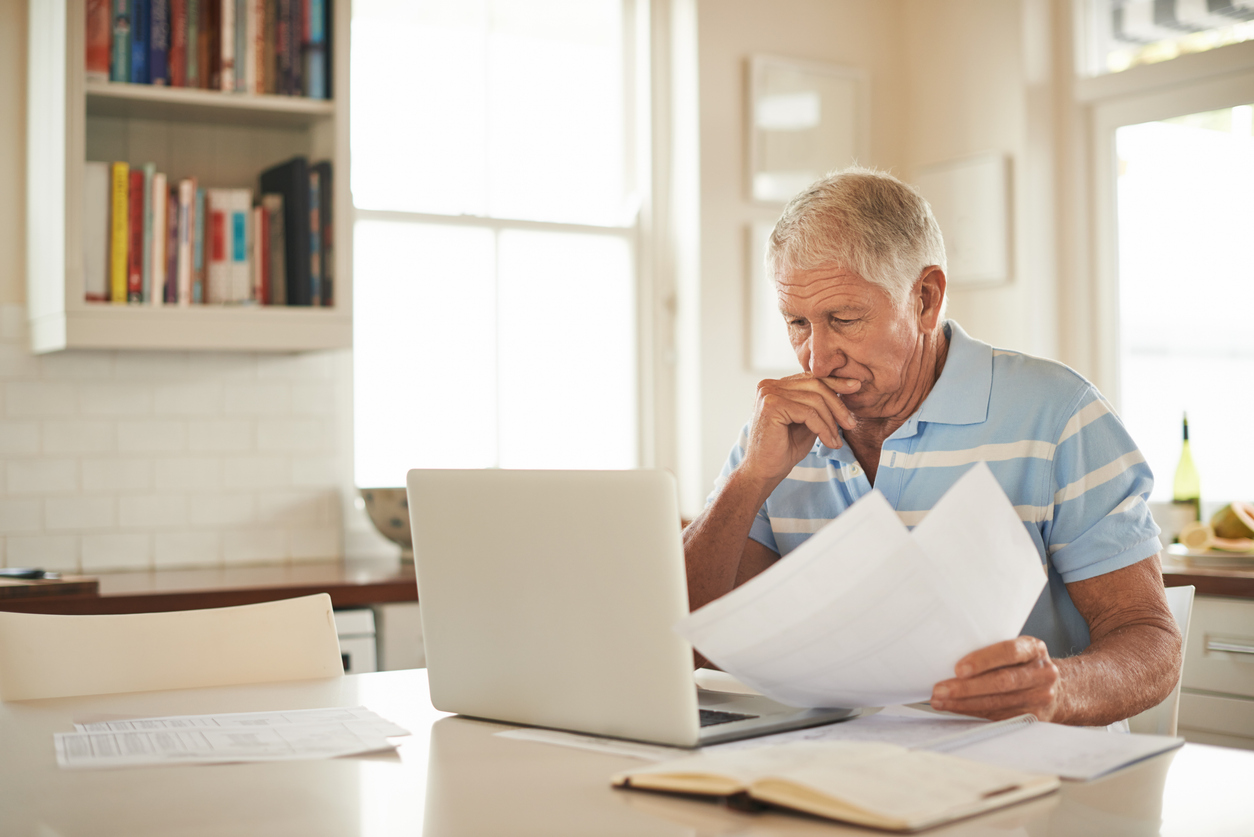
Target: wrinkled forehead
column 828, row 287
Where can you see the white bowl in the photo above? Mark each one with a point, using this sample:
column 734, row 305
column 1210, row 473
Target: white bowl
column 389, row 512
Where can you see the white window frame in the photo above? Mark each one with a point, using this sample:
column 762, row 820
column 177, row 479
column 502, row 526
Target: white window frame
column 1214, row 80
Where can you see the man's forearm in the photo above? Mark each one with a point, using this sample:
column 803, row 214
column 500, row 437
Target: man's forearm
column 1124, row 673
column 714, row 542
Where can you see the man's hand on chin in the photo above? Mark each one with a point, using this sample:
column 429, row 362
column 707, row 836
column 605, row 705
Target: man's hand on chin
column 1010, row 678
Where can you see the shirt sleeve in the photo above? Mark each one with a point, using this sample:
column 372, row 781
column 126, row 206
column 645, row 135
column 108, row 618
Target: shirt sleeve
column 761, row 530
column 1101, row 520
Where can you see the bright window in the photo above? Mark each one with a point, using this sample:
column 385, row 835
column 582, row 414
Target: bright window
column 1186, row 288
column 494, row 272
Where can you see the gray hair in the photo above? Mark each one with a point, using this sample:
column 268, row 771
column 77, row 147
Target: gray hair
column 863, row 220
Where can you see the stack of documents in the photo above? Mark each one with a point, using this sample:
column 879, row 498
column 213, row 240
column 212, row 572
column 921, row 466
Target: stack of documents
column 237, row 737
column 865, row 613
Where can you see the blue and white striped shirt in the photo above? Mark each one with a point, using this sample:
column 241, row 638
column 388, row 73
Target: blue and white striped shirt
column 1054, row 443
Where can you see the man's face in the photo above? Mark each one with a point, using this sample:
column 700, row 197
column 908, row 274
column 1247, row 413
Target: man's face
column 842, row 326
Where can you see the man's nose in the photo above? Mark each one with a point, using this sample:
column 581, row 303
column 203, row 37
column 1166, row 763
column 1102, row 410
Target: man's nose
column 826, row 355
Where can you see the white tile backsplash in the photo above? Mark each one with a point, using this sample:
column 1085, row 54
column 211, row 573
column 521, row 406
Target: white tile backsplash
column 131, row 460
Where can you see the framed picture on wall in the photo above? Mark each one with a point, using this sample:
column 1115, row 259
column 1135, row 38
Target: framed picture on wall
column 805, row 119
column 970, row 198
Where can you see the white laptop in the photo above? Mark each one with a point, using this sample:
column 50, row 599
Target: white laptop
column 548, row 599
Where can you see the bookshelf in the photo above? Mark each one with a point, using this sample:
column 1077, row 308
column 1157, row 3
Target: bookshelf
column 224, row 139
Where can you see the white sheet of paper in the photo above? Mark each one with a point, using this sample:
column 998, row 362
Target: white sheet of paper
column 866, row 614
column 214, row 739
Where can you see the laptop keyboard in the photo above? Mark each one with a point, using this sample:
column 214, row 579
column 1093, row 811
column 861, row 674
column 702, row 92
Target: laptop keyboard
column 710, row 717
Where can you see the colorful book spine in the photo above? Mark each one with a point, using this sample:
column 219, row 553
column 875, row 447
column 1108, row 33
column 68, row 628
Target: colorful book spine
column 187, row 207
column 217, row 275
column 140, row 10
column 160, row 196
column 239, row 207
column 314, row 49
column 99, row 39
column 257, row 46
column 135, row 244
column 96, row 232
column 118, row 238
column 159, row 42
column 191, row 75
column 211, row 37
column 120, row 63
column 178, row 43
column 146, row 267
column 315, row 239
column 199, row 221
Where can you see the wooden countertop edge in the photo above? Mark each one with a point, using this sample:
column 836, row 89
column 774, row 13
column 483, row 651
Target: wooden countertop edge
column 342, row 595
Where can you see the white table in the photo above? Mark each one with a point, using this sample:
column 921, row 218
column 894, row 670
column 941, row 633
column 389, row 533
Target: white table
column 453, row 776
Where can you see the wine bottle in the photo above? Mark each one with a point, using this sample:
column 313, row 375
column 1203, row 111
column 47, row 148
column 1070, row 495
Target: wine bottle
column 1186, row 486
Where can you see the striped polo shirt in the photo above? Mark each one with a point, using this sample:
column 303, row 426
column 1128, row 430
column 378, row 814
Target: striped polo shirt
column 1060, row 452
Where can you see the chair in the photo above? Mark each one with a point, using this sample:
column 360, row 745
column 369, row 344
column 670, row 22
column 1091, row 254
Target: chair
column 1161, row 719
column 46, row 656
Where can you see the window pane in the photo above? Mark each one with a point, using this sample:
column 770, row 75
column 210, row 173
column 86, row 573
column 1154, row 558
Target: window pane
column 1127, row 33
column 505, row 108
column 555, row 111
column 1186, row 292
column 424, row 349
column 568, row 371
column 419, row 82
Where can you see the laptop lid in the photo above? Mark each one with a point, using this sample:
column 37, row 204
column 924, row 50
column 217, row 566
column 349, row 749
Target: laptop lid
column 548, row 599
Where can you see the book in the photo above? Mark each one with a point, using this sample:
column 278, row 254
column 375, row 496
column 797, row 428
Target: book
column 140, row 11
column 96, row 232
column 258, row 256
column 243, row 26
column 135, row 232
column 183, row 269
column 217, row 275
column 861, row 782
column 191, row 75
column 315, row 239
column 285, row 46
column 314, row 49
column 99, row 39
column 118, row 238
column 291, row 180
column 273, row 206
column 198, row 247
column 226, row 45
column 145, row 292
column 326, row 238
column 159, row 42
column 211, row 40
column 120, row 57
column 160, row 197
column 178, row 43
column 170, row 279
column 257, row 46
column 239, row 208
column 270, row 36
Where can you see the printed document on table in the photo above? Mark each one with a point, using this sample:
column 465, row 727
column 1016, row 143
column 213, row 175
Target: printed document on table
column 237, row 737
column 865, row 613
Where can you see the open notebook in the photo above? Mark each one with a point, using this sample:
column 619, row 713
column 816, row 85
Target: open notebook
column 866, row 783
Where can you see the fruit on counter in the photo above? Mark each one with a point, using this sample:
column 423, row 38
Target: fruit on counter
column 1200, row 536
column 1235, row 520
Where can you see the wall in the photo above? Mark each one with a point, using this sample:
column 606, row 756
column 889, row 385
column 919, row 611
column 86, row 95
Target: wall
column 857, row 33
column 112, row 459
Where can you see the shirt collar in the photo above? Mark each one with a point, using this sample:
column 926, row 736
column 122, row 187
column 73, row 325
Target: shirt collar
column 960, row 396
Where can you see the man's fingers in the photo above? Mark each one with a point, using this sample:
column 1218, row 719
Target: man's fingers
column 1038, row 701
column 999, row 655
column 808, row 408
column 1031, row 675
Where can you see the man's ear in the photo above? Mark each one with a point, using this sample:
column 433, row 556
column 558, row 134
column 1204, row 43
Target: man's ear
column 929, row 296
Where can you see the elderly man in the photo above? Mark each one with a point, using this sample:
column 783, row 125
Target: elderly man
column 893, row 396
